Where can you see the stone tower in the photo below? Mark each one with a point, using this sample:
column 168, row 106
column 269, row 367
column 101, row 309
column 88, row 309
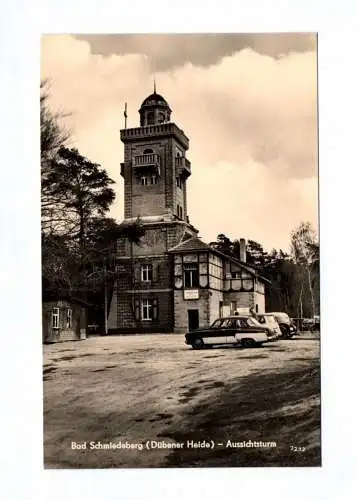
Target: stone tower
column 155, row 172
column 155, row 168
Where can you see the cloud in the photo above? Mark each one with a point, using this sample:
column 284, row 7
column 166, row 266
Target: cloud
column 251, row 119
column 170, row 51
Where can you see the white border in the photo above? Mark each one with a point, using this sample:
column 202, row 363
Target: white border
column 22, row 22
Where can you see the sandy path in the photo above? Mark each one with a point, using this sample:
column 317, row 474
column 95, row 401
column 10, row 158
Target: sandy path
column 138, row 388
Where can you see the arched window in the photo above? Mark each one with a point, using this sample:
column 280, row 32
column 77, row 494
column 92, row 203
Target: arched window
column 148, row 151
column 150, row 118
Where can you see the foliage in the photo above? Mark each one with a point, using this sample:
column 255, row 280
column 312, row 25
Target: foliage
column 78, row 239
column 289, row 290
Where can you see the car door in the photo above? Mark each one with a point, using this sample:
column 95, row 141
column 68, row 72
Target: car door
column 217, row 334
column 231, row 330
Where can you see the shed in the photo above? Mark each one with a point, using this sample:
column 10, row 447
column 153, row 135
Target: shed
column 63, row 320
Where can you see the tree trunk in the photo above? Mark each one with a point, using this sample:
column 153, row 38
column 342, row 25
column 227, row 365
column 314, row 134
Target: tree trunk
column 311, row 290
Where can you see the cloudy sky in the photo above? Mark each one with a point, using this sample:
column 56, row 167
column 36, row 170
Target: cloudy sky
column 248, row 103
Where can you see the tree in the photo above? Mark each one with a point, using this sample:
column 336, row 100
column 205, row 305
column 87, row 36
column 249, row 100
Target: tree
column 53, row 136
column 85, row 192
column 305, row 252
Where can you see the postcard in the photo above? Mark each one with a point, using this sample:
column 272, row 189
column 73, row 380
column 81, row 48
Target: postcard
column 180, row 251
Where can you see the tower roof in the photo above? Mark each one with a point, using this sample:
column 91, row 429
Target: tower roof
column 154, row 100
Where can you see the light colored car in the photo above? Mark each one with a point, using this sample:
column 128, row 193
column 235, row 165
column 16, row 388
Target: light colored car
column 286, row 325
column 269, row 321
column 236, row 330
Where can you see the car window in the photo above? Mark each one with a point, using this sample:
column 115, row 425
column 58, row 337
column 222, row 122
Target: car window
column 227, row 323
column 261, row 319
column 216, row 324
column 252, row 322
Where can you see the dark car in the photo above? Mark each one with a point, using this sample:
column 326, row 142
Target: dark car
column 237, row 330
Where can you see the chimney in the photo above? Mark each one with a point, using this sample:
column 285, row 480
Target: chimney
column 242, row 250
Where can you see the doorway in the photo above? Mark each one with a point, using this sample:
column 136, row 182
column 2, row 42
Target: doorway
column 193, row 319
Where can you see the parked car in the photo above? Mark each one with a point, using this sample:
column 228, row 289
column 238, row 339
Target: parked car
column 236, row 330
column 269, row 321
column 286, row 325
column 316, row 325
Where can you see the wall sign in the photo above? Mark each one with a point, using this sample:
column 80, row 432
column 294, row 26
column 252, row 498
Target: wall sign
column 191, row 294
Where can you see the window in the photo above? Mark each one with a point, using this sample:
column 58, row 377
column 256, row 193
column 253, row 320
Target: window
column 147, row 180
column 69, row 318
column 55, row 317
column 191, row 275
column 148, row 151
column 147, row 272
column 180, row 212
column 150, row 118
column 179, row 182
column 236, row 275
column 149, row 309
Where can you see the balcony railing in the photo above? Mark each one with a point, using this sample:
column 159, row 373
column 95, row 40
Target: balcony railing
column 183, row 166
column 147, row 160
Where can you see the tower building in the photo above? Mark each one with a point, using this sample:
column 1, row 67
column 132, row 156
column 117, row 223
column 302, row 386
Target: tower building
column 171, row 280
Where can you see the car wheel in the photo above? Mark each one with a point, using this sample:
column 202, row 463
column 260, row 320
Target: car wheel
column 248, row 343
column 198, row 343
column 285, row 331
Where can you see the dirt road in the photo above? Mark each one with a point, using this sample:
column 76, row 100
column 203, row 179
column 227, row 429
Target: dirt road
column 152, row 391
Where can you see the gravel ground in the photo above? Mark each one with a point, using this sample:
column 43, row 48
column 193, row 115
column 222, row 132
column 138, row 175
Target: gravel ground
column 130, row 390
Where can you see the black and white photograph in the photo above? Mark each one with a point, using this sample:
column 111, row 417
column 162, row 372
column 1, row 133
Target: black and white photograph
column 180, row 250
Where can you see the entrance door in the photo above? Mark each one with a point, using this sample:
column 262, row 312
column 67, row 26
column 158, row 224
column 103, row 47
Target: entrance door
column 193, row 319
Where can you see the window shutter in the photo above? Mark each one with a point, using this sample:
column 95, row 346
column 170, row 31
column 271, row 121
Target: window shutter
column 155, row 271
column 137, row 273
column 137, row 309
column 155, row 308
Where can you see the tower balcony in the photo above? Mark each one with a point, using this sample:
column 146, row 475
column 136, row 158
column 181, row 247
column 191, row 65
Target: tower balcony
column 183, row 166
column 147, row 162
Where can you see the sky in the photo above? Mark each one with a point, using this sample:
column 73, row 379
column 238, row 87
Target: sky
column 248, row 104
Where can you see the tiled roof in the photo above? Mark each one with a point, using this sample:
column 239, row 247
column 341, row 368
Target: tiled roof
column 191, row 244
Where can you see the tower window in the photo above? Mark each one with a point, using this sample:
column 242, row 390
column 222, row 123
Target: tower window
column 179, row 182
column 178, row 211
column 147, row 272
column 148, row 151
column 149, row 309
column 146, row 180
column 150, row 118
column 181, row 212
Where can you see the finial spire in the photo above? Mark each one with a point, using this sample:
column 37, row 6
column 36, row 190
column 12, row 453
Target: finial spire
column 125, row 115
column 155, row 86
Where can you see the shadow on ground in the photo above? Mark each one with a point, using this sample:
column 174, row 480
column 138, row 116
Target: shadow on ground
column 283, row 407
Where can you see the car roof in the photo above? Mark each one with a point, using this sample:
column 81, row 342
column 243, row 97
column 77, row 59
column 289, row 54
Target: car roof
column 242, row 316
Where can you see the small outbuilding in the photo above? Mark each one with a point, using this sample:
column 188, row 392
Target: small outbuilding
column 63, row 320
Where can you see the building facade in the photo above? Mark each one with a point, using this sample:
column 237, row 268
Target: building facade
column 63, row 320
column 172, row 281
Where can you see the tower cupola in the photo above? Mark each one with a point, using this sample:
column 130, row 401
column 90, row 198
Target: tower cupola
column 154, row 110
